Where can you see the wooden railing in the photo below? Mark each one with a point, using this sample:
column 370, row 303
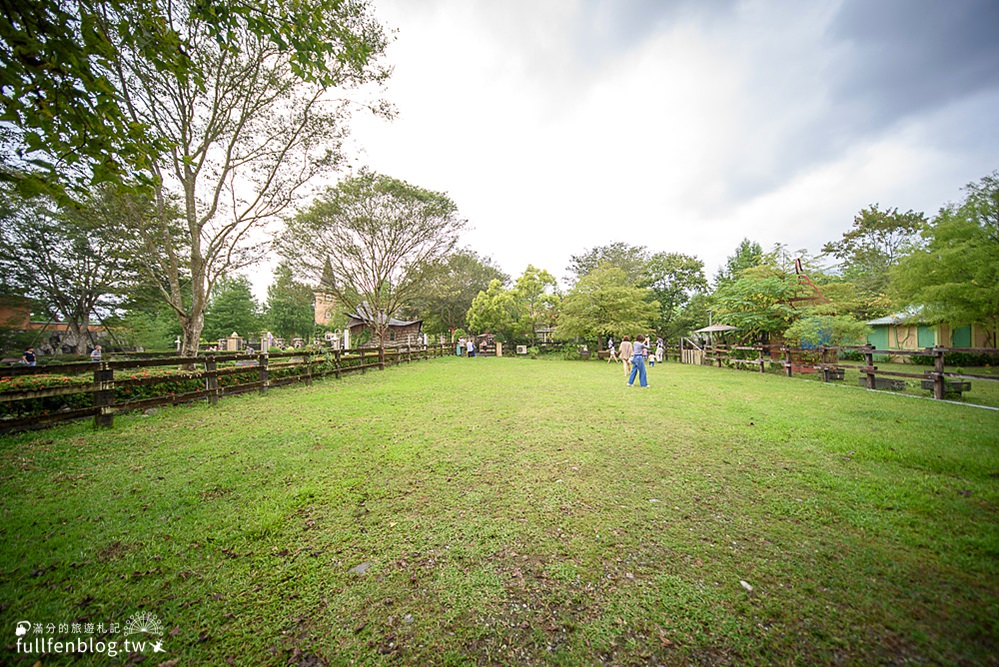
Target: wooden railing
column 825, row 361
column 217, row 375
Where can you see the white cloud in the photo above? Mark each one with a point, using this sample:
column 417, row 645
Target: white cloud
column 567, row 124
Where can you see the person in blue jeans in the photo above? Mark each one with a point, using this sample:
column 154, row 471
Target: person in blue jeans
column 638, row 363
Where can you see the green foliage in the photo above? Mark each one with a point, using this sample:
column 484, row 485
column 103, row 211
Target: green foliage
column 45, row 405
column 630, row 259
column 966, row 359
column 516, row 313
column 232, row 308
column 537, row 301
column 845, row 298
column 955, row 277
column 605, row 302
column 449, row 287
column 290, row 305
column 758, row 302
column 875, row 244
column 70, row 257
column 747, row 255
column 571, row 353
column 69, row 118
column 151, row 329
column 493, row 310
column 376, row 235
column 673, row 279
column 827, row 330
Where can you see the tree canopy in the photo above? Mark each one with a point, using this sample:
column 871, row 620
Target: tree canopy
column 873, row 245
column 290, row 305
column 232, row 308
column 673, row 279
column 449, row 287
column 377, row 235
column 248, row 131
column 69, row 257
column 747, row 255
column 955, row 276
column 630, row 259
column 69, row 120
column 605, row 302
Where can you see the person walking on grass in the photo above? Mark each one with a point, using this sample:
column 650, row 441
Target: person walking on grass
column 626, row 350
column 613, row 354
column 638, row 362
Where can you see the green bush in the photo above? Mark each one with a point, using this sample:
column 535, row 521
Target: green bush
column 958, row 359
column 9, row 409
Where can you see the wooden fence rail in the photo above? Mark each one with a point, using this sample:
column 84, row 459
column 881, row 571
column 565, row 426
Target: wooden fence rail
column 825, row 361
column 219, row 375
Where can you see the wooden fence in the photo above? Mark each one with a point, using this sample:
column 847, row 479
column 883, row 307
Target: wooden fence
column 825, row 361
column 218, row 375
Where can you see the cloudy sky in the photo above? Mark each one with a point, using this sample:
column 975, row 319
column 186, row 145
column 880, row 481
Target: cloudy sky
column 684, row 125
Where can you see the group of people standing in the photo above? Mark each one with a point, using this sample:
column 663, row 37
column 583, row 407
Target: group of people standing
column 635, row 355
column 466, row 347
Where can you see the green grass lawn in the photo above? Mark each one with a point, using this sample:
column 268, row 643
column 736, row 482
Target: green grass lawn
column 510, row 511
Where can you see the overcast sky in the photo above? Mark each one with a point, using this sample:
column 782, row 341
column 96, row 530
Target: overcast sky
column 683, row 125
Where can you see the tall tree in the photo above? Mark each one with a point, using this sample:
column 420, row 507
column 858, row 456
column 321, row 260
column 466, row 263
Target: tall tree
column 758, row 302
column 494, row 310
column 290, row 309
column 535, row 293
column 376, row 234
column 874, row 244
column 605, row 302
column 673, row 278
column 68, row 116
column 955, row 277
column 232, row 308
column 246, row 135
column 450, row 288
column 69, row 258
column 747, row 255
column 630, row 259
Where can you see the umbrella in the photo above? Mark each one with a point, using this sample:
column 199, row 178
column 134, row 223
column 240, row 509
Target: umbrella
column 716, row 328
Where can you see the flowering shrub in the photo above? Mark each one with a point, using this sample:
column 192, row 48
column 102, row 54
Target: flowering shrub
column 171, row 383
column 48, row 404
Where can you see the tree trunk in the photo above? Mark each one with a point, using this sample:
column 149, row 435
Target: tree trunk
column 80, row 334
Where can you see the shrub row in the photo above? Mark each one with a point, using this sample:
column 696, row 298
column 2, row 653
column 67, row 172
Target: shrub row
column 173, row 382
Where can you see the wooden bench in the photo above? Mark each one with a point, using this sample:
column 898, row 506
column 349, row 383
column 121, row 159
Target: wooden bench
column 890, row 384
column 832, row 373
column 951, row 387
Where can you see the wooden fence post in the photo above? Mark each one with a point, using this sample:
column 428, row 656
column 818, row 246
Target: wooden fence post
column 264, row 371
column 212, row 380
column 938, row 373
column 869, row 360
column 104, row 396
column 788, row 361
column 763, row 368
column 336, row 363
column 308, row 368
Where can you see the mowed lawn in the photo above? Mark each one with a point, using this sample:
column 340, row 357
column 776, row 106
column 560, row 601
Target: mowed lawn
column 514, row 512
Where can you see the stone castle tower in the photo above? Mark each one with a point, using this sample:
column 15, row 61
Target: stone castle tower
column 325, row 301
